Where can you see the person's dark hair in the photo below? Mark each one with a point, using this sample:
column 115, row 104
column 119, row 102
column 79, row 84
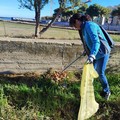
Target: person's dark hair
column 79, row 17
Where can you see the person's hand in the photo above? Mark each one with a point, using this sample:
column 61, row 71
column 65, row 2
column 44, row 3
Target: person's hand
column 90, row 59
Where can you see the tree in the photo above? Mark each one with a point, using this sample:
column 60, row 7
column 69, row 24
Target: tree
column 93, row 10
column 36, row 5
column 116, row 12
column 104, row 11
column 82, row 9
column 64, row 14
column 63, row 6
column 97, row 10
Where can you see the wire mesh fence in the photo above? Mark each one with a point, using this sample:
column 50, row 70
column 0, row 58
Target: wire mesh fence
column 12, row 29
column 26, row 30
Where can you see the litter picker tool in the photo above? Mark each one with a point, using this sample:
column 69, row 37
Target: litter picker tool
column 83, row 54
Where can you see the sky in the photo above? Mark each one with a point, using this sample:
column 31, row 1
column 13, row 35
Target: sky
column 10, row 8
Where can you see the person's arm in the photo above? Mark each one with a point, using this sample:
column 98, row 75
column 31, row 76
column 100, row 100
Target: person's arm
column 91, row 30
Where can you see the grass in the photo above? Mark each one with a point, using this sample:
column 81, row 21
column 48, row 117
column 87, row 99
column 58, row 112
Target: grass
column 27, row 31
column 116, row 38
column 39, row 98
column 31, row 98
column 16, row 29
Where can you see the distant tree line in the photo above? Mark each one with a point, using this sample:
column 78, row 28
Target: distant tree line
column 65, row 10
column 116, row 12
column 92, row 10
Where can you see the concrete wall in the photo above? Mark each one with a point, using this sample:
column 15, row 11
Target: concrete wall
column 18, row 55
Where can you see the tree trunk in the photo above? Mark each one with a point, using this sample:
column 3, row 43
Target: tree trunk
column 37, row 19
column 60, row 10
column 53, row 20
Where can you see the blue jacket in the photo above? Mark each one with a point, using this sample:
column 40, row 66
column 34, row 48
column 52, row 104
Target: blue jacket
column 92, row 35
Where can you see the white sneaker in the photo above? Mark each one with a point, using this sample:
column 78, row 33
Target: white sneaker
column 107, row 95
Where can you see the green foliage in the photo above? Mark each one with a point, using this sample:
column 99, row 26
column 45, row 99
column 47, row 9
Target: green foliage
column 3, row 100
column 96, row 10
column 82, row 9
column 108, row 110
column 50, row 99
column 93, row 10
column 116, row 12
column 104, row 11
column 31, row 4
column 41, row 98
column 67, row 6
column 69, row 3
column 35, row 5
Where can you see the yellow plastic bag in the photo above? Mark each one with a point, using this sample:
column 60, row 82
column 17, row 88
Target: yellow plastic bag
column 88, row 105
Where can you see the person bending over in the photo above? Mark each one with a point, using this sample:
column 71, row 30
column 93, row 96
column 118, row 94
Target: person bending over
column 98, row 51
